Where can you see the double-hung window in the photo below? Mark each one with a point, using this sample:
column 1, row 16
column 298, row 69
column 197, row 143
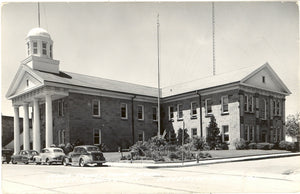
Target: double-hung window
column 171, row 112
column 193, row 109
column 154, row 113
column 179, row 111
column 264, row 109
column 123, row 111
column 208, row 106
column 96, row 108
column 140, row 112
column 97, row 136
column 44, row 48
column 60, row 108
column 224, row 101
column 225, row 133
column 35, row 47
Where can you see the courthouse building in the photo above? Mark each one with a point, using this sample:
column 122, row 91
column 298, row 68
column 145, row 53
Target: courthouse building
column 69, row 107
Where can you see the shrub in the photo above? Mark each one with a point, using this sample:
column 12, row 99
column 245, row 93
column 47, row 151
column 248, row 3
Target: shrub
column 203, row 155
column 289, row 146
column 252, row 146
column 264, row 146
column 199, row 143
column 240, row 144
column 173, row 156
column 222, row 146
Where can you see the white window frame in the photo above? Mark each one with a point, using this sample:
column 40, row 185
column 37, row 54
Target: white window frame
column 192, row 110
column 99, row 137
column 60, row 109
column 246, row 100
column 178, row 111
column 222, row 104
column 44, row 49
column 99, row 106
column 35, row 49
column 192, row 130
column 141, row 119
column 251, row 102
column 156, row 112
column 264, row 109
column 278, row 107
column 206, row 105
column 126, row 111
column 170, row 118
column 227, row 133
column 143, row 133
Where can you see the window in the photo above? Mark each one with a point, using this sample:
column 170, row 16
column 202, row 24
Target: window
column 140, row 112
column 278, row 107
column 250, row 104
column 249, row 133
column 224, row 101
column 246, row 103
column 246, row 133
column 264, row 109
column 96, row 108
column 44, row 48
column 51, row 52
column 60, row 108
column 61, row 136
column 171, row 112
column 97, row 136
column 208, row 106
column 141, row 136
column 263, row 79
column 194, row 132
column 27, row 82
column 124, row 111
column 28, row 48
column 179, row 111
column 193, row 109
column 225, row 133
column 35, row 49
column 154, row 113
column 274, row 107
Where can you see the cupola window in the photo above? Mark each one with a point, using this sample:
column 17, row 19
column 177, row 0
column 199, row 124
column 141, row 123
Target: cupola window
column 28, row 48
column 35, row 49
column 51, row 51
column 44, row 45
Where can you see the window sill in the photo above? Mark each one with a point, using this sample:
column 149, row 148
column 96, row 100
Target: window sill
column 141, row 120
column 155, row 121
column 194, row 117
column 224, row 113
column 124, row 119
column 96, row 117
column 180, row 119
column 208, row 115
column 171, row 120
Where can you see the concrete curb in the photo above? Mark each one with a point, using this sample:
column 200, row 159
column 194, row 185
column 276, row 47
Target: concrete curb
column 201, row 162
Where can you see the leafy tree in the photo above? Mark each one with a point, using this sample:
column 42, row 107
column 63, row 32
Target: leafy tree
column 179, row 137
column 213, row 137
column 292, row 125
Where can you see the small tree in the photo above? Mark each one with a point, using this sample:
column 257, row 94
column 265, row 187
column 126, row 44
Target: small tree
column 292, row 125
column 213, row 136
column 179, row 137
column 170, row 136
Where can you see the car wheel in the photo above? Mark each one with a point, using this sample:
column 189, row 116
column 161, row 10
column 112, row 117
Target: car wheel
column 65, row 162
column 81, row 163
column 13, row 162
column 48, row 162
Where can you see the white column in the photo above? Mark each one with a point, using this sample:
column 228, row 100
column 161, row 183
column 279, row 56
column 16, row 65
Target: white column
column 36, row 126
column 16, row 130
column 26, row 140
column 49, row 124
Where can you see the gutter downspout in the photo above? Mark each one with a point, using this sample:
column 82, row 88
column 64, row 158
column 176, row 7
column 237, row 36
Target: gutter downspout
column 132, row 118
column 201, row 128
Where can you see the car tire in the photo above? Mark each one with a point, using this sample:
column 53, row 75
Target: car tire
column 48, row 162
column 65, row 162
column 81, row 163
column 13, row 162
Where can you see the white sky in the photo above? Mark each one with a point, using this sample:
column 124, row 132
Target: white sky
column 118, row 40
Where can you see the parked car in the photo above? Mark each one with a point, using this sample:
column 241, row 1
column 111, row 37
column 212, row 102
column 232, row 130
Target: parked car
column 6, row 155
column 84, row 155
column 24, row 156
column 49, row 156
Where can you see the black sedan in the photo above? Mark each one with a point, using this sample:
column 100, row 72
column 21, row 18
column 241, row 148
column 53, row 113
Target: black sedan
column 24, row 156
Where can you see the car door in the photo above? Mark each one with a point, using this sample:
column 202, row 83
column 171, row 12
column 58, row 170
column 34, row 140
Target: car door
column 75, row 156
column 17, row 157
column 24, row 156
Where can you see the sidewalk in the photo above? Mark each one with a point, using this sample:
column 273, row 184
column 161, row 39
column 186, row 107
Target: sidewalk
column 201, row 162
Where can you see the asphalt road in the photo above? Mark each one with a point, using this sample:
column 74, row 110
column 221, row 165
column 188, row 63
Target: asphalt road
column 269, row 175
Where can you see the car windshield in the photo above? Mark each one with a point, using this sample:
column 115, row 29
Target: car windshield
column 57, row 150
column 33, row 152
column 89, row 149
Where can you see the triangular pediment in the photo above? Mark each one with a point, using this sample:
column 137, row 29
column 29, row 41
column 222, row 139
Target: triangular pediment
column 266, row 78
column 24, row 80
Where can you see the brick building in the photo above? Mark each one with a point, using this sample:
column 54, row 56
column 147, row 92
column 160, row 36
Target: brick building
column 70, row 107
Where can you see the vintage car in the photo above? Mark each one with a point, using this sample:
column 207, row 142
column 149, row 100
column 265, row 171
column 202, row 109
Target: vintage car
column 84, row 155
column 49, row 156
column 24, row 156
column 6, row 155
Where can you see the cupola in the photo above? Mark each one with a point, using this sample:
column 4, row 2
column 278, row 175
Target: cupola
column 39, row 49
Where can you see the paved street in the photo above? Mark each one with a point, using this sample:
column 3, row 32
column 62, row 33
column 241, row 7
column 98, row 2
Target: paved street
column 270, row 175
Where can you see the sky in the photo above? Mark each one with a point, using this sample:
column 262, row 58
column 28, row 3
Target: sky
column 118, row 40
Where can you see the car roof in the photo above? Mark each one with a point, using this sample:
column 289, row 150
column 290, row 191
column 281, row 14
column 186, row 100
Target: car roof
column 52, row 148
column 85, row 146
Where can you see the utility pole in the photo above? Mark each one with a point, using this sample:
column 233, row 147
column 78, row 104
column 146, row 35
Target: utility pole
column 158, row 79
column 182, row 141
column 39, row 20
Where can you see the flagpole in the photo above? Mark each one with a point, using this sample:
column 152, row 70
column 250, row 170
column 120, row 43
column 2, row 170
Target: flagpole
column 158, row 80
column 39, row 20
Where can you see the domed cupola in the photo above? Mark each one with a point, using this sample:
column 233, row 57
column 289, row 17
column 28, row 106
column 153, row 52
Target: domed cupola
column 39, row 51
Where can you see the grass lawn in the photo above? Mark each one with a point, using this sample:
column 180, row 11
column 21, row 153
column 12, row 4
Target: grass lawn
column 115, row 156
